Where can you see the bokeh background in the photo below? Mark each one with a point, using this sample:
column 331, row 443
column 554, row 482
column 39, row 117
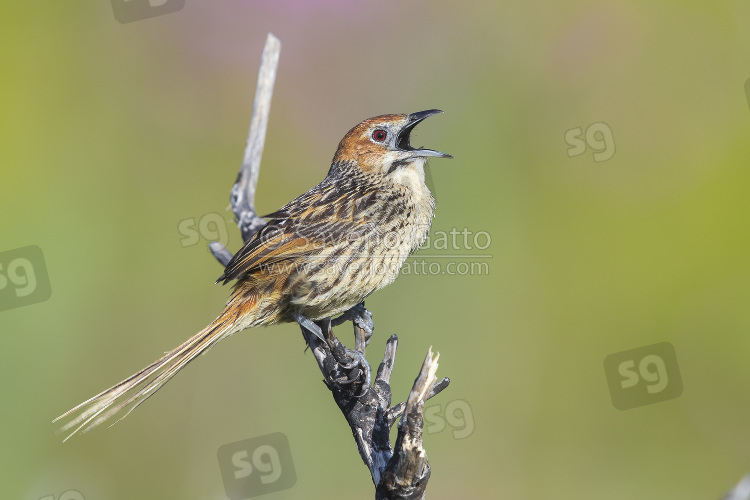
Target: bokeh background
column 112, row 135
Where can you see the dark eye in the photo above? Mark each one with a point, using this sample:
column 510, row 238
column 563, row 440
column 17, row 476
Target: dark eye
column 379, row 135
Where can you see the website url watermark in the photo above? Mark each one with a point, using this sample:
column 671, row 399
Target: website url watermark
column 376, row 266
column 423, row 267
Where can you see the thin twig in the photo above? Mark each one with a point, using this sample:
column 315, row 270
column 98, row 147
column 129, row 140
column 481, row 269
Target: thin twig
column 243, row 191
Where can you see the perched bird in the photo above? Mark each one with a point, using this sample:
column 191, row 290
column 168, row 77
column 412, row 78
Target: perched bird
column 318, row 256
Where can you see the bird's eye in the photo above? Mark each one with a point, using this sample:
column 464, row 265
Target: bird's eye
column 379, row 135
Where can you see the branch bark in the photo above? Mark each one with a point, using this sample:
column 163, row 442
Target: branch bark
column 243, row 191
column 741, row 491
column 401, row 474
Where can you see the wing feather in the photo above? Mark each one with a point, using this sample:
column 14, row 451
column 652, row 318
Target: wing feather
column 297, row 231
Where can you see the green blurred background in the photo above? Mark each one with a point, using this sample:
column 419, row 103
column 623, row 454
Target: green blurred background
column 112, row 134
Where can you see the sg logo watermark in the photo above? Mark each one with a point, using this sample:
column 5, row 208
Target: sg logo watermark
column 65, row 495
column 211, row 227
column 23, row 278
column 256, row 466
column 127, row 11
column 643, row 376
column 598, row 137
column 457, row 414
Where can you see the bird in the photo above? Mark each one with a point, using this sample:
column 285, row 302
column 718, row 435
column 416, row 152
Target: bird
column 318, row 256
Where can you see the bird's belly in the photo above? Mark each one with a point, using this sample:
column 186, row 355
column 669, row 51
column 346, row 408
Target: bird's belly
column 339, row 281
column 343, row 274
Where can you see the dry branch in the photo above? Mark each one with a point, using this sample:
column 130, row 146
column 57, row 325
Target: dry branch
column 741, row 491
column 243, row 191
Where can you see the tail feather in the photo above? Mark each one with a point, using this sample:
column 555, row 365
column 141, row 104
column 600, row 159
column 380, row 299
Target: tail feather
column 134, row 390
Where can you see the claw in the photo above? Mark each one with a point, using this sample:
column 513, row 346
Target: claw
column 366, row 384
column 347, row 380
column 360, row 366
column 349, row 366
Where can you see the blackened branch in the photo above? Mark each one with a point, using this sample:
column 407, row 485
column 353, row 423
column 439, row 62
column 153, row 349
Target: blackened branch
column 401, row 474
column 407, row 472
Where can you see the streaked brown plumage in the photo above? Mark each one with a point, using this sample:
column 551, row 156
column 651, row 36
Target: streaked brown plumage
column 318, row 256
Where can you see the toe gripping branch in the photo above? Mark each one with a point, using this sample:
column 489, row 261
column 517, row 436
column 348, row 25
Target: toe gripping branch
column 399, row 472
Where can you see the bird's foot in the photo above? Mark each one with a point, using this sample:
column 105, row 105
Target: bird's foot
column 351, row 361
column 360, row 317
column 358, row 368
column 353, row 366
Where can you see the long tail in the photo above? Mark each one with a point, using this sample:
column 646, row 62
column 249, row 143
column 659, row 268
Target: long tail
column 136, row 389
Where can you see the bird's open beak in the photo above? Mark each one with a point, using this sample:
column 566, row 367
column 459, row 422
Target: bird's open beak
column 402, row 141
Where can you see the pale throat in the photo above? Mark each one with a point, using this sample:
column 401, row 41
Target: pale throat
column 411, row 177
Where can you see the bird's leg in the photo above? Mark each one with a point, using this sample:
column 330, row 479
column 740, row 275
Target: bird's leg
column 348, row 359
column 308, row 325
column 361, row 337
column 361, row 318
